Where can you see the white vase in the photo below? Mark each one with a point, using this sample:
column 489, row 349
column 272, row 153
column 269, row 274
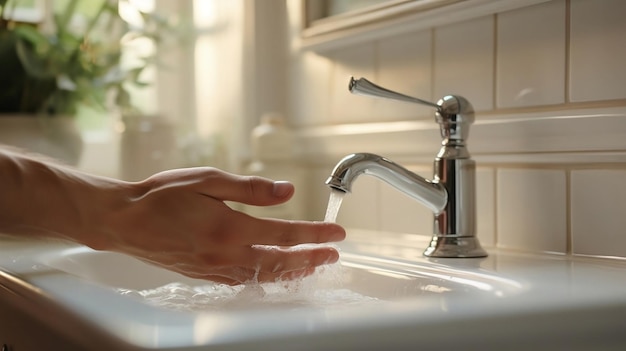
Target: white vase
column 148, row 146
column 56, row 137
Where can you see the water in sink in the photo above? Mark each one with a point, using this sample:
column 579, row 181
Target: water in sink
column 356, row 279
column 319, row 290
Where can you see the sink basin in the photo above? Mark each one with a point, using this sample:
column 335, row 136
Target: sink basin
column 382, row 295
column 356, row 279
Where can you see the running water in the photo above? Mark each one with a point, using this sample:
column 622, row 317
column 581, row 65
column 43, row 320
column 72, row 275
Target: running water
column 320, row 290
column 334, row 203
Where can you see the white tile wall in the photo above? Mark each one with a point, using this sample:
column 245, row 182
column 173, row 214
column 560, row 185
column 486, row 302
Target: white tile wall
column 598, row 208
column 309, row 83
column 530, row 67
column 597, row 50
column 513, row 59
column 314, row 193
column 358, row 61
column 463, row 61
column 531, row 205
column 486, row 206
column 404, row 65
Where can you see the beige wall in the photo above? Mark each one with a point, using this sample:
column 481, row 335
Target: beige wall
column 551, row 181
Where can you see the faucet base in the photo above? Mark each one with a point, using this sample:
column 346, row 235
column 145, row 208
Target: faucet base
column 450, row 246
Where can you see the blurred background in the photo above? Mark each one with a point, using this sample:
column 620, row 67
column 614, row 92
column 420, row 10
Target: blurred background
column 184, row 70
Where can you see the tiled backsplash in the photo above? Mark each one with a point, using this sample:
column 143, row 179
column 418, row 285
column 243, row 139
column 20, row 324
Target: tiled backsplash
column 564, row 191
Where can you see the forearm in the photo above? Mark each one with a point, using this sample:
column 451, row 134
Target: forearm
column 40, row 198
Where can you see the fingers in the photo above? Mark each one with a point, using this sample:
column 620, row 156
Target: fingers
column 277, row 260
column 249, row 230
column 265, row 254
column 253, row 276
column 250, row 264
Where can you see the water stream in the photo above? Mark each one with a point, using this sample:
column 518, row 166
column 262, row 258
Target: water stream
column 334, row 203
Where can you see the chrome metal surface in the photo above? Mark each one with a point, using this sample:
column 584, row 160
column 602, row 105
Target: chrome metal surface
column 363, row 86
column 453, row 113
column 451, row 193
column 432, row 194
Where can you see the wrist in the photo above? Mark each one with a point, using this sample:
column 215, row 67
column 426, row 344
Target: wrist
column 105, row 210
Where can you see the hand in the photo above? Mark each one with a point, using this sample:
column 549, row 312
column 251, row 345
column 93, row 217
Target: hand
column 178, row 220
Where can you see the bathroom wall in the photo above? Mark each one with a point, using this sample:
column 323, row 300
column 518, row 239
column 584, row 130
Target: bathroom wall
column 547, row 80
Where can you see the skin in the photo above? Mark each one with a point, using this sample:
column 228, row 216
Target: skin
column 176, row 219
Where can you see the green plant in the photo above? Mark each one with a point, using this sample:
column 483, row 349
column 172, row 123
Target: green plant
column 54, row 72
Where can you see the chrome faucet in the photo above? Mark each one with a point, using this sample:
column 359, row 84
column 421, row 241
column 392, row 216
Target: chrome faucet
column 451, row 192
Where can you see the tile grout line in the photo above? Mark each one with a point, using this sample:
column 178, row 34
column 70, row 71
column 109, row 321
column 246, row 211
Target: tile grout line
column 567, row 50
column 331, row 117
column 376, row 68
column 379, row 204
column 494, row 82
column 495, row 207
column 568, row 212
column 433, row 58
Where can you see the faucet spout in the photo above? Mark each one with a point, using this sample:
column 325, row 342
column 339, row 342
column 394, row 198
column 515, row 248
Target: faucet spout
column 430, row 193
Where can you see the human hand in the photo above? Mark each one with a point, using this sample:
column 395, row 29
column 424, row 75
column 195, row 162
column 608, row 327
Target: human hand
column 178, row 220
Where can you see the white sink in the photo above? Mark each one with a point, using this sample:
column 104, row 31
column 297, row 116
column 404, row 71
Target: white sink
column 357, row 279
column 383, row 295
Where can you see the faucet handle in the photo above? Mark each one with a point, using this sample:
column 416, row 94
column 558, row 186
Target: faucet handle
column 454, row 113
column 363, row 86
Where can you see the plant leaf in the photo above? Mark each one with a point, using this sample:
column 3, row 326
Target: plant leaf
column 35, row 65
column 32, row 35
